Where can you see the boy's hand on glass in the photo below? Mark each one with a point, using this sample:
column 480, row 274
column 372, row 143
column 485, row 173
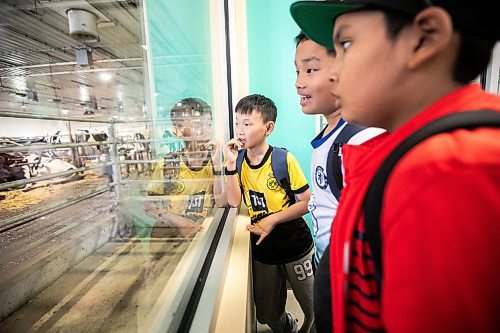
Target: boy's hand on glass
column 231, row 151
column 262, row 228
column 214, row 148
column 152, row 208
column 183, row 225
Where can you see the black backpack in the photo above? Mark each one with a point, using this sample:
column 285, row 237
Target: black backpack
column 334, row 162
column 375, row 196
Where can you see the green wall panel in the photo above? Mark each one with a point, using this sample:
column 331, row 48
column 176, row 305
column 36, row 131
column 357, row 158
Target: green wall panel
column 181, row 64
column 179, row 37
column 271, row 52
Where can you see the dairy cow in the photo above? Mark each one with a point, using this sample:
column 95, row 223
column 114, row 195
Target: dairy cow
column 41, row 166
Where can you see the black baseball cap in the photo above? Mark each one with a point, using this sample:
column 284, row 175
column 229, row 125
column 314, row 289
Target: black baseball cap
column 316, row 18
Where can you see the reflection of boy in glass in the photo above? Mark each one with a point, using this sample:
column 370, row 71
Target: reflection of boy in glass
column 187, row 177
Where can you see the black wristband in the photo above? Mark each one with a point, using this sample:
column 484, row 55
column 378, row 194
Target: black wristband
column 230, row 172
column 218, row 173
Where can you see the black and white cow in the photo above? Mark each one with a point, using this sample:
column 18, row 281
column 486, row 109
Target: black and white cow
column 93, row 137
column 16, row 167
column 41, row 166
column 91, row 152
column 135, row 151
column 9, row 169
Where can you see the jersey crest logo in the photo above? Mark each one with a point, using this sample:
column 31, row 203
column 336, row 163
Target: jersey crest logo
column 173, row 186
column 271, row 183
column 320, row 177
column 196, row 202
column 258, row 201
column 179, row 187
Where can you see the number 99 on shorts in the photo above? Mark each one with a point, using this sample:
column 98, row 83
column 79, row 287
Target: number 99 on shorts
column 303, row 270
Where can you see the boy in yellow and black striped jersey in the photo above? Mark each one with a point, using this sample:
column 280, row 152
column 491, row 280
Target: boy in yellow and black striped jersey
column 282, row 245
column 187, row 179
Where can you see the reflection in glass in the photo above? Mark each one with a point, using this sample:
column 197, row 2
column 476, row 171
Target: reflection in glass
column 107, row 241
column 181, row 192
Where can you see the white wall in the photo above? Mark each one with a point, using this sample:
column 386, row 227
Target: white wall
column 12, row 127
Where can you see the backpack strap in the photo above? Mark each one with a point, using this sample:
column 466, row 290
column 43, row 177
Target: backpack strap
column 279, row 165
column 239, row 164
column 334, row 161
column 375, row 196
column 239, row 160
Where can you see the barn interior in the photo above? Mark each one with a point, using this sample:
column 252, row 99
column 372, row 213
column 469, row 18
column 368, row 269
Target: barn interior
column 83, row 127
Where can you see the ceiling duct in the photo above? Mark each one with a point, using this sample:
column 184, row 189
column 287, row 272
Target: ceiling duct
column 92, row 103
column 84, row 57
column 32, row 95
column 83, row 25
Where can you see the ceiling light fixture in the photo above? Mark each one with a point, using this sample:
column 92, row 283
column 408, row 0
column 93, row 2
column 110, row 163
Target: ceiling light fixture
column 105, row 76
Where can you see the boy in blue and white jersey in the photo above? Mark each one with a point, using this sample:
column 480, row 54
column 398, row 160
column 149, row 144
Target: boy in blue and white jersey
column 313, row 63
column 314, row 84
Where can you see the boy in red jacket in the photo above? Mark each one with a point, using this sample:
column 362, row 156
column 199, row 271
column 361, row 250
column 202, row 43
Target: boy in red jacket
column 401, row 65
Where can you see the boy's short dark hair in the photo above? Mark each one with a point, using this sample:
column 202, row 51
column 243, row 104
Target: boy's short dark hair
column 476, row 23
column 301, row 37
column 472, row 58
column 189, row 107
column 473, row 54
column 260, row 104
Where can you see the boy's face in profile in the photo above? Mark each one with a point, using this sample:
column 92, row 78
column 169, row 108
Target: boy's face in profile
column 370, row 68
column 314, row 82
column 251, row 130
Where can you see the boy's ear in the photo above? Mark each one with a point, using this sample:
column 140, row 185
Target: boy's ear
column 269, row 127
column 434, row 31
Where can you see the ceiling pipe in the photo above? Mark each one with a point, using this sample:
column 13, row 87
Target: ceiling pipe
column 94, row 70
column 69, row 63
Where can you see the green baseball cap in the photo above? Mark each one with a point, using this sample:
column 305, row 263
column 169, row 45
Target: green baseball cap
column 316, row 18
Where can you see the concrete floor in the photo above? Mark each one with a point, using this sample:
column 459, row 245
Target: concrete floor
column 112, row 290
